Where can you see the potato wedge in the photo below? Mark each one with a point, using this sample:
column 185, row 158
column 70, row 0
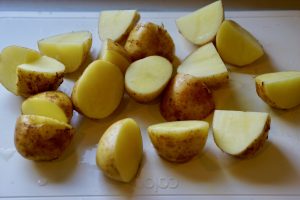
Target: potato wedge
column 201, row 26
column 41, row 75
column 236, row 45
column 186, row 98
column 179, row 141
column 113, row 46
column 11, row 57
column 52, row 104
column 241, row 134
column 99, row 90
column 120, row 150
column 116, row 24
column 279, row 89
column 69, row 48
column 41, row 138
column 148, row 39
column 205, row 64
column 115, row 58
column 146, row 78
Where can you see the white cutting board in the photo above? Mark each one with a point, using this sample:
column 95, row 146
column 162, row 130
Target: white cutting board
column 274, row 172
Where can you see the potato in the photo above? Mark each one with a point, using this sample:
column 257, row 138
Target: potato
column 149, row 39
column 113, row 46
column 120, row 150
column 116, row 24
column 236, row 45
column 115, row 58
column 146, row 78
column 41, row 75
column 41, row 138
column 201, row 26
column 241, row 134
column 279, row 89
column 11, row 58
column 53, row 104
column 99, row 90
column 179, row 141
column 69, row 48
column 186, row 98
column 205, row 64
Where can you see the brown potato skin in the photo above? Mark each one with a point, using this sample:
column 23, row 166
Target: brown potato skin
column 59, row 98
column 41, row 142
column 260, row 90
column 186, row 98
column 149, row 39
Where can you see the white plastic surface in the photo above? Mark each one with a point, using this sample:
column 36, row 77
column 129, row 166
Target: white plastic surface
column 273, row 174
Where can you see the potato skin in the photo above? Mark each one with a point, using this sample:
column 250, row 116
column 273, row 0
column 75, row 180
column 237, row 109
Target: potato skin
column 41, row 141
column 149, row 39
column 260, row 90
column 30, row 83
column 59, row 98
column 186, row 98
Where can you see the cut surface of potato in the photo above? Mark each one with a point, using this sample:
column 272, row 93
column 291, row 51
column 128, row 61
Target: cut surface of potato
column 41, row 75
column 186, row 98
column 99, row 90
column 41, row 138
column 279, row 89
column 120, row 150
column 201, row 26
column 116, row 24
column 53, row 104
column 115, row 58
column 236, row 45
column 146, row 78
column 179, row 141
column 240, row 134
column 113, row 46
column 11, row 58
column 205, row 64
column 148, row 39
column 69, row 48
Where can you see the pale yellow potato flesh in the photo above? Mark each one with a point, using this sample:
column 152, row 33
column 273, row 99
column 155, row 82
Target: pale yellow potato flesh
column 116, row 24
column 279, row 89
column 120, row 150
column 201, row 26
column 115, row 58
column 179, row 141
column 99, row 90
column 69, row 48
column 205, row 64
column 114, row 46
column 41, row 138
column 146, row 78
column 240, row 134
column 42, row 74
column 53, row 104
column 236, row 45
column 11, row 58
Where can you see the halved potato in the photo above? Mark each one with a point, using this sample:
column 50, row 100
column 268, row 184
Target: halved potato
column 146, row 78
column 11, row 58
column 236, row 45
column 115, row 58
column 113, row 46
column 41, row 138
column 205, row 64
column 69, row 48
column 201, row 26
column 148, row 39
column 279, row 89
column 179, row 141
column 116, row 24
column 241, row 134
column 120, row 150
column 99, row 90
column 186, row 98
column 53, row 104
column 40, row 75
